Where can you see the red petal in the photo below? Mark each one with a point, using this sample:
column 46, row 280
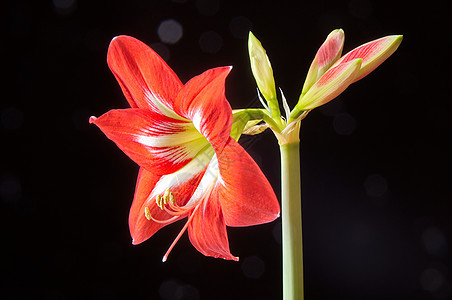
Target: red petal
column 144, row 76
column 331, row 49
column 372, row 53
column 141, row 228
column 160, row 144
column 182, row 185
column 202, row 100
column 246, row 196
column 327, row 54
column 207, row 230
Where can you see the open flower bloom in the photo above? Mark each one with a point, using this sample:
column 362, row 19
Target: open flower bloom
column 330, row 74
column 190, row 166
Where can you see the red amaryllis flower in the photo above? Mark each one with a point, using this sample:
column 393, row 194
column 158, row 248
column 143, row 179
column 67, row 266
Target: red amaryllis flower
column 190, row 166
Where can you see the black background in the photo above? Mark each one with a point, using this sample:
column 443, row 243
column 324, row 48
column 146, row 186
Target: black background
column 375, row 161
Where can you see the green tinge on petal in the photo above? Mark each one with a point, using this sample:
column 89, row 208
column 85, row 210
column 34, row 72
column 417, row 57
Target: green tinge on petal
column 239, row 121
column 326, row 56
column 372, row 53
column 330, row 85
column 261, row 67
column 255, row 129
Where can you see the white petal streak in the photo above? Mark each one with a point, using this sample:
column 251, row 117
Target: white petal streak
column 179, row 154
column 207, row 184
column 180, row 177
column 156, row 102
column 172, row 141
column 167, row 134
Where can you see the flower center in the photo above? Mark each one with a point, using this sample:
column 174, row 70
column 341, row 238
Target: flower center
column 167, row 203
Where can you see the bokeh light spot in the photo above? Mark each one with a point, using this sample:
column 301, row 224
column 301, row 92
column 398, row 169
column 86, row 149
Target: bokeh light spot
column 253, row 267
column 360, row 234
column 360, row 8
column 167, row 289
column 332, row 108
column 277, row 232
column 210, row 42
column 11, row 118
column 434, row 241
column 344, row 124
column 431, row 279
column 375, row 185
column 187, row 292
column 170, row 31
column 64, row 7
column 10, row 190
column 162, row 50
column 208, row 7
column 240, row 27
column 171, row 290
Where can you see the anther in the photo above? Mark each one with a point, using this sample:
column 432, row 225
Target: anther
column 171, row 198
column 158, row 201
column 147, row 213
column 162, row 200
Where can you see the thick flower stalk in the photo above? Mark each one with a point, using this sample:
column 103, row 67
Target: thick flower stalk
column 190, row 166
column 328, row 76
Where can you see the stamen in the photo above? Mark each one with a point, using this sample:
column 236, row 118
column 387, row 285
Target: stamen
column 167, row 197
column 164, row 221
column 165, row 257
column 148, row 215
column 167, row 193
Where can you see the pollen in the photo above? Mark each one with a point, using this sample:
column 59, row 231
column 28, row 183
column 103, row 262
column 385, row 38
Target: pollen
column 158, row 201
column 162, row 200
column 147, row 213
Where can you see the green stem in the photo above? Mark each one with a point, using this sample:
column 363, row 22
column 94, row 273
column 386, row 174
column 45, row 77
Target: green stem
column 291, row 221
column 259, row 113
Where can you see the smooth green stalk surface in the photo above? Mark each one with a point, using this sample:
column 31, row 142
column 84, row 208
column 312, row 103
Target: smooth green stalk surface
column 291, row 222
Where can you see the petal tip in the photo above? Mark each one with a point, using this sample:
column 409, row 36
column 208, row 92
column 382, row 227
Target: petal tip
column 399, row 38
column 119, row 37
column 92, row 119
column 136, row 241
